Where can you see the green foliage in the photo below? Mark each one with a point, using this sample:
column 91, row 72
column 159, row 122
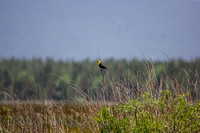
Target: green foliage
column 160, row 70
column 148, row 114
column 96, row 83
column 62, row 80
column 108, row 123
column 62, row 86
column 22, row 76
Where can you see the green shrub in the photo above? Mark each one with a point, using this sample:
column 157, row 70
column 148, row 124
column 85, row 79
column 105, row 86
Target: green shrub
column 148, row 114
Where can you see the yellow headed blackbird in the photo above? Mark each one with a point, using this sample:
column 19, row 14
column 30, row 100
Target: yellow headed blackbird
column 101, row 65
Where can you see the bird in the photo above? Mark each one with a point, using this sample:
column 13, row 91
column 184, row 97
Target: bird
column 101, row 65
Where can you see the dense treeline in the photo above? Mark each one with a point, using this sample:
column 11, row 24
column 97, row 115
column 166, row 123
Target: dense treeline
column 49, row 79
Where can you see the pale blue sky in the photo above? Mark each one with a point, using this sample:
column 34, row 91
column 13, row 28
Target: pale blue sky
column 79, row 29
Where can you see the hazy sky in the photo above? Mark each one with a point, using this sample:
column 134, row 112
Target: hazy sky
column 79, row 29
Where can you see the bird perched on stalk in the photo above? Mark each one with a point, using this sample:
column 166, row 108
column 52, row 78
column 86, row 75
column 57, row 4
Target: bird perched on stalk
column 101, row 65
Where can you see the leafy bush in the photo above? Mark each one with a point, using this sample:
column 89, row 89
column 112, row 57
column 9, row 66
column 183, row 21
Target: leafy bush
column 148, row 114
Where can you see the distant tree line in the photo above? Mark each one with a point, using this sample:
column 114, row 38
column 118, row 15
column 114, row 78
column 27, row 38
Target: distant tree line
column 39, row 79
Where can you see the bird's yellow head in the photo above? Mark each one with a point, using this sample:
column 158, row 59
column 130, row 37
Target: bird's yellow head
column 98, row 62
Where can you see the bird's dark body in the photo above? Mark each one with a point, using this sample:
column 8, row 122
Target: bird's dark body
column 102, row 66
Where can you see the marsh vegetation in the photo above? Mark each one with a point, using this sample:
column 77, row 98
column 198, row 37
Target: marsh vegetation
column 133, row 96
